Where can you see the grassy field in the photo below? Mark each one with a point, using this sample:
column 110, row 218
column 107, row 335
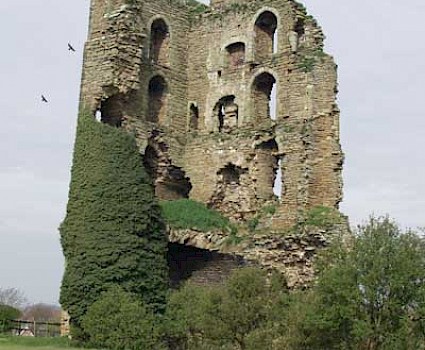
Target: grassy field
column 28, row 343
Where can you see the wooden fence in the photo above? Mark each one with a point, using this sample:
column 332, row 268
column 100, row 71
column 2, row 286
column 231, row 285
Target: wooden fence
column 31, row 328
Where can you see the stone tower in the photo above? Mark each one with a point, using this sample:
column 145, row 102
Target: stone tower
column 233, row 105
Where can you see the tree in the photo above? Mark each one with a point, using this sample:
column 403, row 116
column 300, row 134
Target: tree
column 118, row 321
column 373, row 294
column 113, row 233
column 12, row 297
column 247, row 312
column 42, row 313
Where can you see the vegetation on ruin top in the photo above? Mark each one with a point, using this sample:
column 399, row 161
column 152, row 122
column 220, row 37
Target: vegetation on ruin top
column 189, row 214
column 196, row 7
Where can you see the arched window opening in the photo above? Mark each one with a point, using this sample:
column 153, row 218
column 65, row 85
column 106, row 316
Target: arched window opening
column 158, row 98
column 277, row 186
column 110, row 111
column 160, row 41
column 226, row 112
column 235, row 54
column 193, row 117
column 264, row 96
column 265, row 35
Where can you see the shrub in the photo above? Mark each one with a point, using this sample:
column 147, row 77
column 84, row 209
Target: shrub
column 7, row 313
column 189, row 214
column 118, row 321
column 240, row 314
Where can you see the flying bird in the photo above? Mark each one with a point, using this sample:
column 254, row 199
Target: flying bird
column 43, row 99
column 70, row 48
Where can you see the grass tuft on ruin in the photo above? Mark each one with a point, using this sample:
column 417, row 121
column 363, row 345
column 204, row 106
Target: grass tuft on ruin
column 189, row 214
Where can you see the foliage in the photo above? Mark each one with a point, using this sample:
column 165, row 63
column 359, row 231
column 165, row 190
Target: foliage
column 266, row 211
column 241, row 314
column 189, row 214
column 307, row 64
column 7, row 313
column 252, row 223
column 373, row 294
column 12, row 297
column 113, row 233
column 322, row 217
column 118, row 321
column 370, row 294
column 233, row 238
column 269, row 209
column 310, row 59
column 196, row 8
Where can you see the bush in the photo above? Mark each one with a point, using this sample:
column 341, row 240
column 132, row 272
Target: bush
column 189, row 214
column 7, row 313
column 240, row 314
column 118, row 321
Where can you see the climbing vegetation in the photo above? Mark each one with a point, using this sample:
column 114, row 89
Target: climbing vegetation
column 113, row 233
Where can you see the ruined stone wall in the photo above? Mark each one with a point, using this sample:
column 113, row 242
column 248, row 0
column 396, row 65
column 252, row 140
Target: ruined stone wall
column 195, row 88
column 200, row 266
column 305, row 129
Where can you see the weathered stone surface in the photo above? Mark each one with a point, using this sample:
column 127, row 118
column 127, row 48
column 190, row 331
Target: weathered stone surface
column 195, row 89
column 291, row 253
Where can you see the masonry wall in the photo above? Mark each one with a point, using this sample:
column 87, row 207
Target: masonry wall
column 306, row 129
column 214, row 139
column 200, row 266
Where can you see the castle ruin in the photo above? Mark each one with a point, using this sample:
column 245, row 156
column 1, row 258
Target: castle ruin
column 232, row 104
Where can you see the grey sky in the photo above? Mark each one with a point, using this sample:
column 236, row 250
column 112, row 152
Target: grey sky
column 380, row 51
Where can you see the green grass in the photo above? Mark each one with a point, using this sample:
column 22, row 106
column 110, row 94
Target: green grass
column 188, row 214
column 27, row 343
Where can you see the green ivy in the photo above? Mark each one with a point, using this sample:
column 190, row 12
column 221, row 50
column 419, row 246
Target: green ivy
column 113, row 233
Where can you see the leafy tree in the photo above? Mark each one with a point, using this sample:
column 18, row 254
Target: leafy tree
column 118, row 321
column 373, row 294
column 113, row 233
column 242, row 314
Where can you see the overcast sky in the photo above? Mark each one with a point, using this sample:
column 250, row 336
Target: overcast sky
column 380, row 49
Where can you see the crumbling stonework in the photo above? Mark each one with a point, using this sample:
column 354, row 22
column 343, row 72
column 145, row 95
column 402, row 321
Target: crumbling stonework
column 291, row 253
column 221, row 99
